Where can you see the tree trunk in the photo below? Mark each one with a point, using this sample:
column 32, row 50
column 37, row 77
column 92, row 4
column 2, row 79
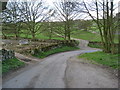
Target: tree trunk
column 33, row 35
column 65, row 31
column 4, row 36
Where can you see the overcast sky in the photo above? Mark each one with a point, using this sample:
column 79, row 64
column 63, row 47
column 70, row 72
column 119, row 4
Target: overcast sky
column 50, row 3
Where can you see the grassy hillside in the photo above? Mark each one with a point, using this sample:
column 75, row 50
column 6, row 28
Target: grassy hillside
column 86, row 35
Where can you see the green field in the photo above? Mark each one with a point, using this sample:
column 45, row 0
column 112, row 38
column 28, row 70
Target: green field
column 38, row 36
column 102, row 58
column 85, row 35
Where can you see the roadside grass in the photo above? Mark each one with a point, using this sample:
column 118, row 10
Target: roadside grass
column 102, row 58
column 11, row 64
column 56, row 50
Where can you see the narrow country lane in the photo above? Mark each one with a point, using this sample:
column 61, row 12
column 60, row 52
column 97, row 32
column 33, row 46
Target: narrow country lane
column 60, row 71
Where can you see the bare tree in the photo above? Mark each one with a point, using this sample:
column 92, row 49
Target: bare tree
column 104, row 21
column 11, row 18
column 34, row 13
column 67, row 12
column 49, row 25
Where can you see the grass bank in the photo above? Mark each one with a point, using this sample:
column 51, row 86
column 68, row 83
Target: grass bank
column 102, row 58
column 11, row 64
column 56, row 50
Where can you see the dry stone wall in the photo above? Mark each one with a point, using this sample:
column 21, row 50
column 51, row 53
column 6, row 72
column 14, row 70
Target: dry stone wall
column 6, row 54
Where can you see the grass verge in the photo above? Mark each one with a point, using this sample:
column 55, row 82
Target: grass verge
column 11, row 64
column 102, row 58
column 56, row 50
